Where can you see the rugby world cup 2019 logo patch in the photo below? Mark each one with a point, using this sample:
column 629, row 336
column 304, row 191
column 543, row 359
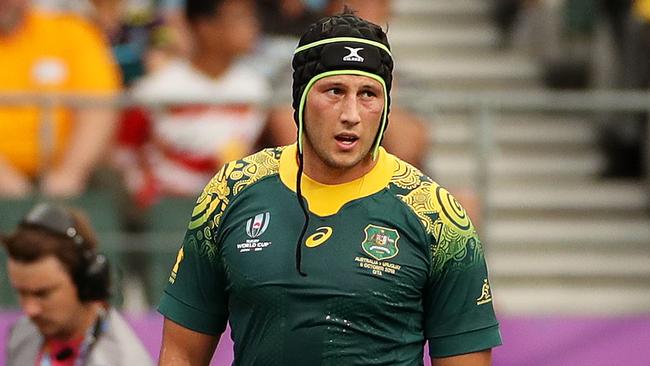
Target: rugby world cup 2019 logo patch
column 256, row 226
column 380, row 242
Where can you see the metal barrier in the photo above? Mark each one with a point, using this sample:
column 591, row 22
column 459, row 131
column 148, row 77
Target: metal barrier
column 483, row 106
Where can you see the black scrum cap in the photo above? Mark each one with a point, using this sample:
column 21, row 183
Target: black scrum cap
column 341, row 45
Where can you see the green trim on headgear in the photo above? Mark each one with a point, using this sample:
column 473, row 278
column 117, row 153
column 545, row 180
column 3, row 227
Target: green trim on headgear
column 343, row 39
column 310, row 84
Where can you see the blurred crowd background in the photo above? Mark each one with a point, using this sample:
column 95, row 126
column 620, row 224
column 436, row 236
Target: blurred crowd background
column 534, row 113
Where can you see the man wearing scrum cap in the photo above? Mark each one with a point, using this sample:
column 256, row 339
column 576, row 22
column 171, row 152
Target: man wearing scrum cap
column 63, row 286
column 331, row 251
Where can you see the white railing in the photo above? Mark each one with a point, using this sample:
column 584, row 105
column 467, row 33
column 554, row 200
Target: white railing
column 483, row 105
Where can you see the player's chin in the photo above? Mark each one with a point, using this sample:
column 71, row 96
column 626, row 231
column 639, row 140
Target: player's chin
column 348, row 160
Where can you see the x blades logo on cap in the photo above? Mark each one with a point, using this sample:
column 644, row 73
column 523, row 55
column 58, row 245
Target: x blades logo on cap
column 354, row 54
column 339, row 56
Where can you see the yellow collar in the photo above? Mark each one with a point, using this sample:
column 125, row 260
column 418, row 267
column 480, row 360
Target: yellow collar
column 324, row 199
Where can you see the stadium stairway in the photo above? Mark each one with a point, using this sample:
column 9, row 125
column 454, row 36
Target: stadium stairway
column 559, row 239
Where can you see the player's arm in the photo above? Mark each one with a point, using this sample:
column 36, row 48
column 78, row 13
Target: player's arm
column 482, row 358
column 460, row 323
column 183, row 347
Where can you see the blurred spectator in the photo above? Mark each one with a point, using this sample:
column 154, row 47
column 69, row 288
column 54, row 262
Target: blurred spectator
column 598, row 44
column 505, row 14
column 567, row 35
column 283, row 21
column 624, row 141
column 137, row 35
column 64, row 285
column 169, row 150
column 142, row 33
column 57, row 148
column 378, row 11
column 174, row 150
column 178, row 32
column 288, row 17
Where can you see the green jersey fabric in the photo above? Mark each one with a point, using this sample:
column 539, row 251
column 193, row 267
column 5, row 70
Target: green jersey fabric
column 392, row 260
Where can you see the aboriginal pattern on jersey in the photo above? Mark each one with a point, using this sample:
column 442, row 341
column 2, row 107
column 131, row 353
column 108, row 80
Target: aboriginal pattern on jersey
column 406, row 176
column 455, row 240
column 231, row 180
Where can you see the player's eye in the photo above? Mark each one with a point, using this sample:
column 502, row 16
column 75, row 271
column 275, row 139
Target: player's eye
column 335, row 91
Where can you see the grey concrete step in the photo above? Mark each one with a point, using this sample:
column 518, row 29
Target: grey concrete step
column 562, row 264
column 618, row 196
column 440, row 8
column 547, row 298
column 461, row 72
column 411, row 41
column 579, row 165
column 521, row 129
column 614, row 231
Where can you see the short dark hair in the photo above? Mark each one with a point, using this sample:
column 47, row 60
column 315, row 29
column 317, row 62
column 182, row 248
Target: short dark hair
column 197, row 9
column 29, row 243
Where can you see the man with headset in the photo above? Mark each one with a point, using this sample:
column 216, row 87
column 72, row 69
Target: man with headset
column 63, row 287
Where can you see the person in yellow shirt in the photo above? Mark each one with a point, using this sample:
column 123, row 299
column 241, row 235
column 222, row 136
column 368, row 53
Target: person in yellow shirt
column 642, row 9
column 51, row 150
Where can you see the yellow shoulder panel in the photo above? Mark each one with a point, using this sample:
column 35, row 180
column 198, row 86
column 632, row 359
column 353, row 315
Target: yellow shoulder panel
column 441, row 214
column 230, row 181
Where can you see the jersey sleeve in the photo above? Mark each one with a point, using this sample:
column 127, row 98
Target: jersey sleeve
column 195, row 295
column 459, row 313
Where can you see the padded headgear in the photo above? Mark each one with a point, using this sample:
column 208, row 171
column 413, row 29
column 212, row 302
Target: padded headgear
column 92, row 278
column 341, row 45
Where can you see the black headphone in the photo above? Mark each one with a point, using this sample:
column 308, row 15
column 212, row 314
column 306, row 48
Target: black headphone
column 93, row 278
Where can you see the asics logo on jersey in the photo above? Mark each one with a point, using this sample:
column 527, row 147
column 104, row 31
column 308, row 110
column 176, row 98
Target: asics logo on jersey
column 354, row 54
column 257, row 225
column 319, row 237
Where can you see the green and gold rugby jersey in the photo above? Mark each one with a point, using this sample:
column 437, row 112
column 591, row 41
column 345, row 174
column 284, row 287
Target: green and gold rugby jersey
column 392, row 260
